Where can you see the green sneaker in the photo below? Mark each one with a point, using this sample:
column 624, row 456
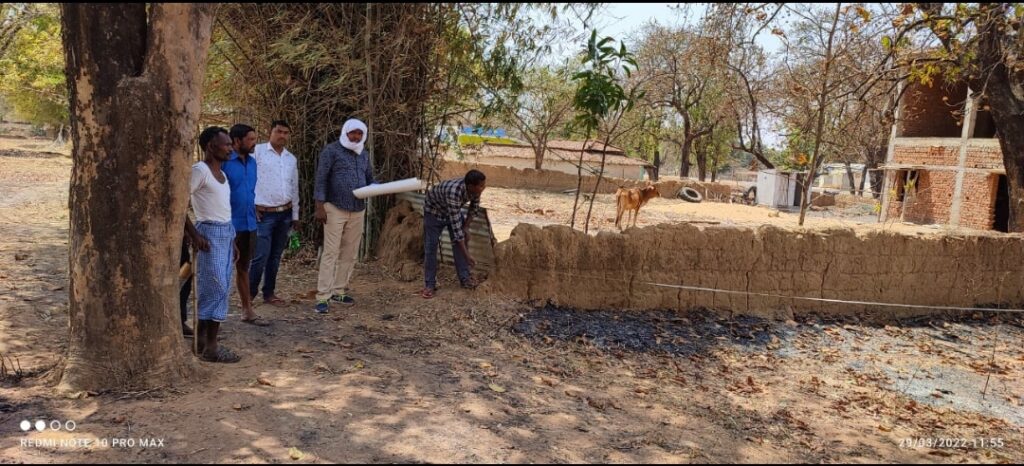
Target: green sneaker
column 343, row 299
column 322, row 307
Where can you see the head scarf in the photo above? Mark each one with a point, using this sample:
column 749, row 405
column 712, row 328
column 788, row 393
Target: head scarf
column 349, row 126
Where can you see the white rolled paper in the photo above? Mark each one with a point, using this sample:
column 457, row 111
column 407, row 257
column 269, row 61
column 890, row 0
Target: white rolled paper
column 394, row 187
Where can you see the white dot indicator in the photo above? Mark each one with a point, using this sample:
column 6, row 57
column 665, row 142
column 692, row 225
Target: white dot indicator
column 26, row 426
column 40, row 425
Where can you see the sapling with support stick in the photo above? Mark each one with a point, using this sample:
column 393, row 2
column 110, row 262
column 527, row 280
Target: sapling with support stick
column 599, row 97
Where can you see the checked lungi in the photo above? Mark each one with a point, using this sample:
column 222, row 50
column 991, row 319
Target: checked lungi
column 213, row 270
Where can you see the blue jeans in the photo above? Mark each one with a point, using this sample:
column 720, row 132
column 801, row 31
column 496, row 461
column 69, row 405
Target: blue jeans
column 271, row 240
column 432, row 228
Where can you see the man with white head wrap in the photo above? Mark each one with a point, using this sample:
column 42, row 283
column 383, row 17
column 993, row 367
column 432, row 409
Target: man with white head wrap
column 343, row 166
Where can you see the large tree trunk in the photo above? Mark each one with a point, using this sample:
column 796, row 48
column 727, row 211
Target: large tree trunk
column 657, row 164
column 135, row 99
column 863, row 180
column 714, row 168
column 850, row 176
column 1007, row 108
column 1009, row 122
column 877, row 180
column 702, row 164
column 538, row 155
column 684, row 167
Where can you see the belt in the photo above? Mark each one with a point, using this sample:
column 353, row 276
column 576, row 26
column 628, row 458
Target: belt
column 283, row 208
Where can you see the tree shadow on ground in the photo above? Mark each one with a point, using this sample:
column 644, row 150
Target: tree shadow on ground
column 18, row 153
column 462, row 378
column 382, row 383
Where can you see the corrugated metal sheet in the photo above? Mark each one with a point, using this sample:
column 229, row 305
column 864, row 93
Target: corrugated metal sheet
column 481, row 243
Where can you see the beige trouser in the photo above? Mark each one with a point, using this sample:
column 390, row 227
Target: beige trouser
column 342, row 234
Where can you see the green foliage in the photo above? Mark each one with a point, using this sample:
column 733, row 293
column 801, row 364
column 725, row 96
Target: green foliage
column 541, row 108
column 488, row 49
column 316, row 65
column 598, row 91
column 600, row 96
column 718, row 148
column 33, row 81
column 957, row 30
column 796, row 154
column 643, row 129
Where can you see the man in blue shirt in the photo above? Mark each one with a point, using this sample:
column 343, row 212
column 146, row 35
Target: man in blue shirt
column 343, row 166
column 241, row 172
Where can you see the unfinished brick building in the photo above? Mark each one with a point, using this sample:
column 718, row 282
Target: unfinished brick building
column 944, row 164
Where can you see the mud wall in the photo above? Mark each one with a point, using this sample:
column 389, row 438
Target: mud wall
column 545, row 180
column 610, row 270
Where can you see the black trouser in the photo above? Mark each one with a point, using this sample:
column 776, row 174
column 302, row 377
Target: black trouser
column 186, row 289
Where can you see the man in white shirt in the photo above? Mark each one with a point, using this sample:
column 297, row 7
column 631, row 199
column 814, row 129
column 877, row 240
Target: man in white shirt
column 277, row 209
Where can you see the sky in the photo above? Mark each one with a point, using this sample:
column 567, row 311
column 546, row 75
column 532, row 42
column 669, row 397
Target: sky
column 622, row 21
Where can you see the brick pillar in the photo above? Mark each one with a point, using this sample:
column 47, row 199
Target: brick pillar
column 970, row 116
column 883, row 212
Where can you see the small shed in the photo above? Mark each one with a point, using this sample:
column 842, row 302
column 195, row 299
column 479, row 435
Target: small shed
column 778, row 188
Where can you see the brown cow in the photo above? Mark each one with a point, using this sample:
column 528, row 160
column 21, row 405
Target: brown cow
column 632, row 200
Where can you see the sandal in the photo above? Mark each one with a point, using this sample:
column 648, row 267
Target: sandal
column 275, row 301
column 470, row 284
column 258, row 321
column 427, row 293
column 223, row 355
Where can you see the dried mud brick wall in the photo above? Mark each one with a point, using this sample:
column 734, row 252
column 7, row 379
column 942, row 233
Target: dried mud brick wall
column 609, row 271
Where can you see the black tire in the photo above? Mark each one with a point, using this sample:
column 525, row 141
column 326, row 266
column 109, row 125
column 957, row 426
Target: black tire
column 690, row 195
column 751, row 194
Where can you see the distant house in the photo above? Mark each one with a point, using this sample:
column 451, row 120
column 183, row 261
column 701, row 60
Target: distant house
column 560, row 156
column 833, row 176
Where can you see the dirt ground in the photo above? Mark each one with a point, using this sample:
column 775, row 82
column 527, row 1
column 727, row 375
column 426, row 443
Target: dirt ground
column 473, row 377
column 509, row 207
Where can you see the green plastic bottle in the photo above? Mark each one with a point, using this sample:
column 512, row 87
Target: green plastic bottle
column 293, row 241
